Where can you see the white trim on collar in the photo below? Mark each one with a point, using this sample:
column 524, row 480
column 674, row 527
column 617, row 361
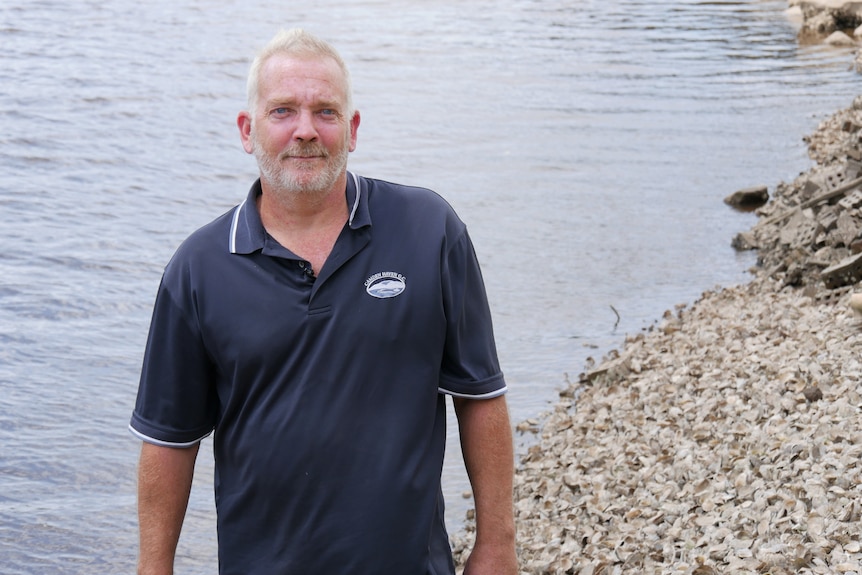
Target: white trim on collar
column 234, row 225
column 355, row 201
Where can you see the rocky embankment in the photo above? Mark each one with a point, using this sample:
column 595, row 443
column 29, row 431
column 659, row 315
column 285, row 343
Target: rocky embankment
column 727, row 438
column 835, row 22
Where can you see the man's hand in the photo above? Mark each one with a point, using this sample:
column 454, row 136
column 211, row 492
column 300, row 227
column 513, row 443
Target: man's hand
column 492, row 560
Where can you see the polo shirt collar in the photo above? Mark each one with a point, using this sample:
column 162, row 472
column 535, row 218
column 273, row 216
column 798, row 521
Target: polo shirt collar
column 247, row 234
column 357, row 201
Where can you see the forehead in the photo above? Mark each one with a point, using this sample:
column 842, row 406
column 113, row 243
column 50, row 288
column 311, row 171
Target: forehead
column 291, row 77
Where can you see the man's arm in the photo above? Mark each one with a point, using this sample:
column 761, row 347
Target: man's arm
column 164, row 483
column 486, row 442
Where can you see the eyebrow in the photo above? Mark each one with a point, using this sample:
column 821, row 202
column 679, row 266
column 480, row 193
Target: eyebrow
column 283, row 102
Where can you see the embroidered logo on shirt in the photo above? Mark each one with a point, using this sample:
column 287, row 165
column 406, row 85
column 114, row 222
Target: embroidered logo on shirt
column 385, row 284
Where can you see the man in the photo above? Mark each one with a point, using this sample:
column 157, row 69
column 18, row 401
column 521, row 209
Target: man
column 317, row 328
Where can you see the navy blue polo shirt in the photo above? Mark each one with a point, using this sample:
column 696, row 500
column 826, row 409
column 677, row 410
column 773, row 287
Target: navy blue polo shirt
column 326, row 393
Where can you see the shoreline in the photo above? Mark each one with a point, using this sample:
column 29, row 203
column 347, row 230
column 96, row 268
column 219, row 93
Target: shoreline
column 727, row 438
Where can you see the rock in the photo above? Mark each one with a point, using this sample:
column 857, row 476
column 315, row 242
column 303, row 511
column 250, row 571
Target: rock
column 744, row 241
column 839, row 38
column 748, row 197
column 812, row 393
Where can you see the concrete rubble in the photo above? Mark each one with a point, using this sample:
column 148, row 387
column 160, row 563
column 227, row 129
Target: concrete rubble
column 727, row 438
column 810, row 233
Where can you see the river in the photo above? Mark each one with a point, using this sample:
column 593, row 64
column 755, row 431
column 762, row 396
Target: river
column 587, row 144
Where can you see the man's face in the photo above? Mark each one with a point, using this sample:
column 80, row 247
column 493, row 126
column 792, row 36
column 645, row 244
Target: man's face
column 300, row 133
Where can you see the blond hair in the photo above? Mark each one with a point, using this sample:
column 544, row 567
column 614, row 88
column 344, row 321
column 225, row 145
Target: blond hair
column 295, row 42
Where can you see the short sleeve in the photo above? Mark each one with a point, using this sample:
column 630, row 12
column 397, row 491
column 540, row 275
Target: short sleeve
column 176, row 402
column 470, row 365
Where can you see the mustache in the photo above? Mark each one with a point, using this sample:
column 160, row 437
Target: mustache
column 308, row 149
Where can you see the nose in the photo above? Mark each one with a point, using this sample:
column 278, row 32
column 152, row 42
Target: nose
column 305, row 129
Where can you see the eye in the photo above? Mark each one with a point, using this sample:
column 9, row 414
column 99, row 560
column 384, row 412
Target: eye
column 280, row 112
column 328, row 112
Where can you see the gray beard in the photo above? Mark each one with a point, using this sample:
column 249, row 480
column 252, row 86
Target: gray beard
column 286, row 184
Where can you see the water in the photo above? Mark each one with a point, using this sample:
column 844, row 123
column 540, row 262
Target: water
column 587, row 144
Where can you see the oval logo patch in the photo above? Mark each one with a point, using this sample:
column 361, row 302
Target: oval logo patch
column 385, row 284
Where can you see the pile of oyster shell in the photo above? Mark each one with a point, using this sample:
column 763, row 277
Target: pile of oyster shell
column 726, row 440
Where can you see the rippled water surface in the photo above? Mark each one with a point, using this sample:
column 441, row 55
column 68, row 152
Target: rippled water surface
column 588, row 145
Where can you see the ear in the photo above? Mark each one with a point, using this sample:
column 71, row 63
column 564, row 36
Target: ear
column 243, row 122
column 354, row 126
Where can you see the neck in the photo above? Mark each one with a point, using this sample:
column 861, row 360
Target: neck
column 307, row 225
column 302, row 210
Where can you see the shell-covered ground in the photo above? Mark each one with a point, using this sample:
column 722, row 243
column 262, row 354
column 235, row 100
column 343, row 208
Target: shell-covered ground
column 726, row 440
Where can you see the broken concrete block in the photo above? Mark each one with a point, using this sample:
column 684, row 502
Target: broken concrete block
column 846, row 272
column 847, row 229
column 851, row 201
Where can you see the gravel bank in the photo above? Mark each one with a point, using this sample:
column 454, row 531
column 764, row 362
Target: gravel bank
column 728, row 438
